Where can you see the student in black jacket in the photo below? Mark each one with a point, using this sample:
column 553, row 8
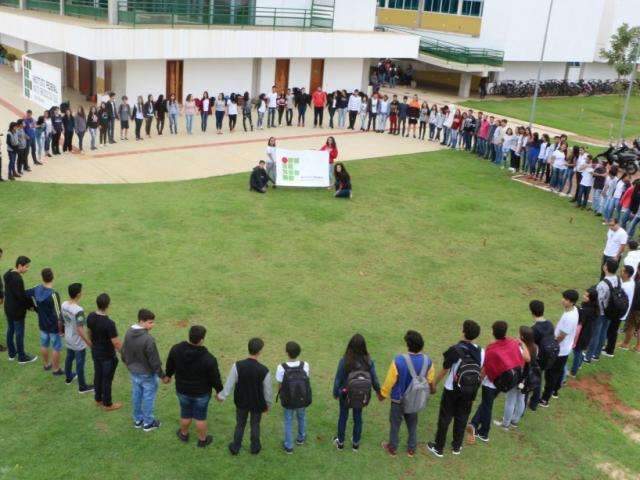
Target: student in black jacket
column 16, row 304
column 69, row 127
column 161, row 110
column 2, row 347
column 196, row 372
column 149, row 114
column 251, row 384
column 260, row 178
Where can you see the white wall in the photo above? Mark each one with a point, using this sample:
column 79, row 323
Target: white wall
column 354, row 15
column 267, row 75
column 35, row 48
column 119, row 78
column 342, row 73
column 300, row 73
column 523, row 71
column 10, row 41
column 52, row 58
column 215, row 76
column 600, row 71
column 146, row 77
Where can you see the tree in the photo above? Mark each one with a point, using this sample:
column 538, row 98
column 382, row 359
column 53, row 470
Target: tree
column 624, row 49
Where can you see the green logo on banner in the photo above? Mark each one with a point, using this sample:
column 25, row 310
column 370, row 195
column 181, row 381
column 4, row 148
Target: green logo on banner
column 290, row 168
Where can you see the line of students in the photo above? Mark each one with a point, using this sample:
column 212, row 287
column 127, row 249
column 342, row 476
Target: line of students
column 515, row 367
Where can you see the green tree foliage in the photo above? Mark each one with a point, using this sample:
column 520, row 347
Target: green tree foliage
column 624, row 49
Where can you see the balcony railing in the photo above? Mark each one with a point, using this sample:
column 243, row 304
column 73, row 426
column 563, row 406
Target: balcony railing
column 148, row 12
column 456, row 53
column 96, row 9
column 44, row 5
column 10, row 3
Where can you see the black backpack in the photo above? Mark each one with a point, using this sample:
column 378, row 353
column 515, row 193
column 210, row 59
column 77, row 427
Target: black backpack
column 508, row 379
column 295, row 391
column 532, row 377
column 466, row 380
column 548, row 352
column 359, row 386
column 618, row 301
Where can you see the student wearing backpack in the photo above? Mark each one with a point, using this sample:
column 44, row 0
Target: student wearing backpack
column 607, row 309
column 548, row 348
column 295, row 395
column 628, row 287
column 409, row 382
column 355, row 377
column 565, row 333
column 461, row 368
column 250, row 382
column 502, row 371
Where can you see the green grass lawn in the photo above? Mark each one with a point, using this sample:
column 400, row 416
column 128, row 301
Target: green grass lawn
column 428, row 241
column 597, row 117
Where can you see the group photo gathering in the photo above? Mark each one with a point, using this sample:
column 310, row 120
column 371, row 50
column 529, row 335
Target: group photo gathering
column 320, row 238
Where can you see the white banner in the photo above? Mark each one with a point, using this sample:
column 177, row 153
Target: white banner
column 42, row 82
column 302, row 168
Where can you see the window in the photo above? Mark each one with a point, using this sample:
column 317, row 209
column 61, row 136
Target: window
column 441, row 6
column 574, row 64
column 381, row 3
column 472, row 8
column 404, row 4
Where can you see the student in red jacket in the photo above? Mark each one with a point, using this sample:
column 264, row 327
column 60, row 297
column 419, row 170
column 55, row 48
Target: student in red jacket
column 332, row 148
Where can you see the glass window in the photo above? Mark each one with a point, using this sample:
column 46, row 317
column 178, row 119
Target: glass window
column 381, row 3
column 402, row 4
column 472, row 8
column 441, row 6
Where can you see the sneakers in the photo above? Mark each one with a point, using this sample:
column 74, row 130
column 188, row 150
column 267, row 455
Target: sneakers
column 456, row 450
column 498, row 423
column 555, row 395
column 46, row 368
column 181, row 436
column 543, row 403
column 483, row 438
column 432, row 448
column 206, row 442
column 339, row 446
column 85, row 389
column 27, row 359
column 152, row 426
column 355, row 447
column 58, row 373
column 138, row 424
column 300, row 441
column 389, row 449
column 605, row 354
column 69, row 381
column 288, row 451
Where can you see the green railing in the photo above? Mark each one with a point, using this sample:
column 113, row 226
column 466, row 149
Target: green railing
column 96, row 9
column 10, row 3
column 456, row 53
column 44, row 5
column 148, row 12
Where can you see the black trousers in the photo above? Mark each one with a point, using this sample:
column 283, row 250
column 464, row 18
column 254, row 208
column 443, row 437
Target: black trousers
column 612, row 336
column 453, row 406
column 23, row 155
column 247, row 117
column 232, row 121
column 318, row 113
column 160, row 124
column 402, row 124
column 353, row 115
column 482, row 419
column 553, row 378
column 138, row 128
column 280, row 115
column 289, row 116
column 104, row 369
column 67, row 146
column 578, row 180
column 241, row 423
column 332, row 112
column 55, row 143
column 147, row 125
column 372, row 121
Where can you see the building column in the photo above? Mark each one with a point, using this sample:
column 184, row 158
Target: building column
column 112, row 10
column 419, row 14
column 62, row 7
column 22, row 4
column 464, row 90
column 256, row 68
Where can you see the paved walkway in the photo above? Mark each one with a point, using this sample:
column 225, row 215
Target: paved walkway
column 183, row 157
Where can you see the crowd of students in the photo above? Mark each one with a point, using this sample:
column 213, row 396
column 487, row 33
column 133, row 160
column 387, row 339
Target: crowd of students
column 529, row 368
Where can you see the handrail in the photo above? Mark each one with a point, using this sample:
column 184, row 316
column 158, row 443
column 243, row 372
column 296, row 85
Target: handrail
column 95, row 9
column 43, row 5
column 10, row 3
column 138, row 12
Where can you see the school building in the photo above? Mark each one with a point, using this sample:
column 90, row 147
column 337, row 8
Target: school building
column 141, row 47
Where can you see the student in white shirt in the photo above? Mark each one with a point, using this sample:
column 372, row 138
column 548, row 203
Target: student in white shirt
column 633, row 257
column 565, row 334
column 628, row 285
column 262, row 108
column 273, row 106
column 384, row 114
column 271, row 159
column 586, row 182
column 354, row 107
column 559, row 165
column 616, row 241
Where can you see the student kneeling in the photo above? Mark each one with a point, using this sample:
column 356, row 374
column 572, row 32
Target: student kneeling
column 260, row 179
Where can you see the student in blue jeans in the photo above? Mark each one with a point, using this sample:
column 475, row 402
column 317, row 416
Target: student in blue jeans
column 356, row 358
column 140, row 355
column 293, row 366
column 76, row 338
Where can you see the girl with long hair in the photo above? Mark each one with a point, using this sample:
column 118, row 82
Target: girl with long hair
column 343, row 181
column 271, row 158
column 331, row 147
column 515, row 401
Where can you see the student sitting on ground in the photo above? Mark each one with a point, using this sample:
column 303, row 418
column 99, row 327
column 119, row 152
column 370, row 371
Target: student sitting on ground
column 343, row 181
column 259, row 180
column 250, row 382
column 294, row 391
column 196, row 371
column 409, row 381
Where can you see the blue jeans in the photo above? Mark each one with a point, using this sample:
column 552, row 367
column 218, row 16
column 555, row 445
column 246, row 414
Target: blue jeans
column 598, row 337
column 204, row 116
column 300, row 413
column 577, row 361
column 583, row 195
column 609, row 208
column 342, row 112
column 15, row 329
column 625, row 216
column 482, row 419
column 568, row 177
column 220, row 118
column 342, row 423
column 597, row 203
column 557, row 178
column 143, row 396
column 39, row 143
column 80, row 357
column 173, row 122
column 454, row 139
column 189, row 123
column 632, row 225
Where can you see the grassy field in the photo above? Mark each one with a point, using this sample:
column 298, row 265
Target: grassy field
column 428, row 241
column 597, row 117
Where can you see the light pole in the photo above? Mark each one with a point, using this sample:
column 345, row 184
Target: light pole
column 625, row 111
column 544, row 47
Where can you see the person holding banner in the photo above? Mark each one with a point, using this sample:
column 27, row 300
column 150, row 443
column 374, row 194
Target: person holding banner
column 343, row 181
column 331, row 147
column 271, row 159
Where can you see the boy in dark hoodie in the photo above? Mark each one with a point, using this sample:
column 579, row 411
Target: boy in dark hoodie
column 197, row 373
column 140, row 355
column 47, row 303
column 16, row 304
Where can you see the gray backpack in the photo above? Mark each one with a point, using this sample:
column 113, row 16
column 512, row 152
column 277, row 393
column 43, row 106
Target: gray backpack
column 417, row 394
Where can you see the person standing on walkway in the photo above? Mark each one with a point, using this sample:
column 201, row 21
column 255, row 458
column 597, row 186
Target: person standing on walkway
column 16, row 304
column 319, row 99
column 197, row 374
column 80, row 120
column 246, row 112
column 205, row 111
column 105, row 342
column 138, row 116
column 190, row 109
column 354, row 107
column 272, row 104
column 140, row 355
column 124, row 114
column 290, row 104
column 221, row 108
column 173, row 109
column 69, row 126
column 12, row 150
column 161, row 112
column 232, row 111
column 303, row 100
column 103, row 121
column 92, row 125
column 58, row 127
column 250, row 382
column 113, row 115
column 149, row 114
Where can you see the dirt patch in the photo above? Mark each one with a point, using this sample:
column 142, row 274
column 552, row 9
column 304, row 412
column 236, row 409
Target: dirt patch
column 182, row 323
column 616, row 473
column 102, row 427
column 598, row 389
